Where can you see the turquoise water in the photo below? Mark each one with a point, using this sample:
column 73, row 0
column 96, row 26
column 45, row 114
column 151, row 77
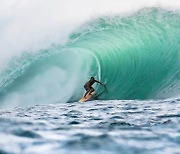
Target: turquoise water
column 137, row 56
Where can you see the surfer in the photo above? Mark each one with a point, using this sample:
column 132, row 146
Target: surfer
column 88, row 86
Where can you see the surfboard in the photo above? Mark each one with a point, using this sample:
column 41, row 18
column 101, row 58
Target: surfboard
column 88, row 96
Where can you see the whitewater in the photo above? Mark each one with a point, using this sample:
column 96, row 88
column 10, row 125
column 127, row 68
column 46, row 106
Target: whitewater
column 49, row 49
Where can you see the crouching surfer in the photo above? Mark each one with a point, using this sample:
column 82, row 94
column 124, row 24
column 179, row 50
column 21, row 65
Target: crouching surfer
column 88, row 86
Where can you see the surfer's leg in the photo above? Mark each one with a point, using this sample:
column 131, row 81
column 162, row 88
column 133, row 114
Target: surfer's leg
column 91, row 90
column 87, row 91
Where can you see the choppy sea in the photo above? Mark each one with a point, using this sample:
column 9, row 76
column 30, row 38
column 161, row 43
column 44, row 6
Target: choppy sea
column 106, row 127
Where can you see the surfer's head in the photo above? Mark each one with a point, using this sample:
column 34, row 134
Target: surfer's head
column 92, row 78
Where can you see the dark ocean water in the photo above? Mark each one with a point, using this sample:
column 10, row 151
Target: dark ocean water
column 127, row 127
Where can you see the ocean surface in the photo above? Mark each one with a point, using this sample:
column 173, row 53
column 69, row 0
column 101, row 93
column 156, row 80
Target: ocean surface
column 50, row 48
column 105, row 127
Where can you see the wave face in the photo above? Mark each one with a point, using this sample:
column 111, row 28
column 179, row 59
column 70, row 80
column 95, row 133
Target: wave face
column 137, row 56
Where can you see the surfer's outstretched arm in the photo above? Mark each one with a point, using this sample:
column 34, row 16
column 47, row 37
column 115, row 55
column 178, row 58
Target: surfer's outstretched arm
column 99, row 82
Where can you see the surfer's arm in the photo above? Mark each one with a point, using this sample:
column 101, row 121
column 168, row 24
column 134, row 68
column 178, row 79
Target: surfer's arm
column 99, row 82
